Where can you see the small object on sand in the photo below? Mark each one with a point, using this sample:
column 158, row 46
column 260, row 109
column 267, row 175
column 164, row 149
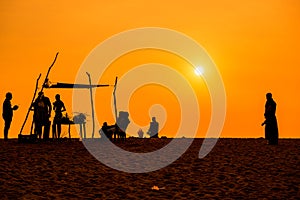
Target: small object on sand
column 155, row 187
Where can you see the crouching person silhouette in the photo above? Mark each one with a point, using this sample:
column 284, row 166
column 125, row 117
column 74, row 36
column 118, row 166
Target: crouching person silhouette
column 106, row 131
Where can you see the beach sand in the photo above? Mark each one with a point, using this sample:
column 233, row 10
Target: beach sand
column 234, row 169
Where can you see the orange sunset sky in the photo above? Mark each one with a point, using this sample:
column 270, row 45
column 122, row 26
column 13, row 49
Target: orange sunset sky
column 255, row 45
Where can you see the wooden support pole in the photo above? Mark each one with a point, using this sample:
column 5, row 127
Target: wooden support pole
column 92, row 103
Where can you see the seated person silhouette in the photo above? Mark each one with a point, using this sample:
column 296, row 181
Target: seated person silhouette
column 153, row 129
column 107, row 130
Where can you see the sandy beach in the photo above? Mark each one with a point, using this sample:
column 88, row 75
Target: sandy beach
column 234, row 169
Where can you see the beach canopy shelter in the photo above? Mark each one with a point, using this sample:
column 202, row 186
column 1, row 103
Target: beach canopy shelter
column 71, row 85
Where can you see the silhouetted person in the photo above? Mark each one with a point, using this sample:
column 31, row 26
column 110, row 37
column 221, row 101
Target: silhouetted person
column 153, row 129
column 42, row 112
column 107, row 130
column 58, row 107
column 7, row 113
column 271, row 128
column 140, row 133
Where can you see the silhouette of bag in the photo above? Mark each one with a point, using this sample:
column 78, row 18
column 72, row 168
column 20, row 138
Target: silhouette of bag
column 32, row 138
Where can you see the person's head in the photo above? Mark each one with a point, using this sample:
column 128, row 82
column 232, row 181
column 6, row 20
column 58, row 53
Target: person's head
column 153, row 119
column 41, row 94
column 8, row 95
column 57, row 97
column 269, row 96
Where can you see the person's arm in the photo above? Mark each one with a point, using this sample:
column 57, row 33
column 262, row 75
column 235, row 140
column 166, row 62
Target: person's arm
column 50, row 107
column 15, row 107
column 33, row 105
column 63, row 107
column 6, row 109
column 54, row 106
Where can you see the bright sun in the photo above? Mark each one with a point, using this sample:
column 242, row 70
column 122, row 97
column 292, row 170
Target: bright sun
column 199, row 71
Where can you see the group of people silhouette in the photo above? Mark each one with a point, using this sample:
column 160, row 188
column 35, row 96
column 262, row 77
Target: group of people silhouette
column 118, row 130
column 42, row 108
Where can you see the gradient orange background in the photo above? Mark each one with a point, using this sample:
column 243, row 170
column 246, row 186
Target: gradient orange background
column 255, row 45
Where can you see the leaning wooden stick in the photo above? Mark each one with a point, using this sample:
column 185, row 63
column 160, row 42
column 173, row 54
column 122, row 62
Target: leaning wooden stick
column 46, row 78
column 115, row 98
column 92, row 103
column 36, row 87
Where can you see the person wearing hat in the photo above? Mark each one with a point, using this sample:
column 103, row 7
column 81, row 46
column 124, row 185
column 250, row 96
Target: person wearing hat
column 42, row 112
column 7, row 113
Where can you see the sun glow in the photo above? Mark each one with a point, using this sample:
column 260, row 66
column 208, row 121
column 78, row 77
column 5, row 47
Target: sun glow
column 199, row 71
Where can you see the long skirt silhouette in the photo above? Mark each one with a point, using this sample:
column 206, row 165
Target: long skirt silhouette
column 271, row 130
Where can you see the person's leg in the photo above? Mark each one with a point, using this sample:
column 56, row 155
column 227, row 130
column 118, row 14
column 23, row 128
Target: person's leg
column 276, row 132
column 273, row 132
column 44, row 130
column 38, row 129
column 6, row 128
column 58, row 129
column 268, row 133
column 115, row 135
column 110, row 134
column 54, row 135
column 122, row 135
column 47, row 129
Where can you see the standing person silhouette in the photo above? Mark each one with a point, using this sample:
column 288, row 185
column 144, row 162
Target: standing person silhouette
column 271, row 128
column 7, row 113
column 58, row 107
column 42, row 112
column 153, row 129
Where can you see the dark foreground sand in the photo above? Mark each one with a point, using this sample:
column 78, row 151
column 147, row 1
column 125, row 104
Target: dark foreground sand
column 235, row 169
